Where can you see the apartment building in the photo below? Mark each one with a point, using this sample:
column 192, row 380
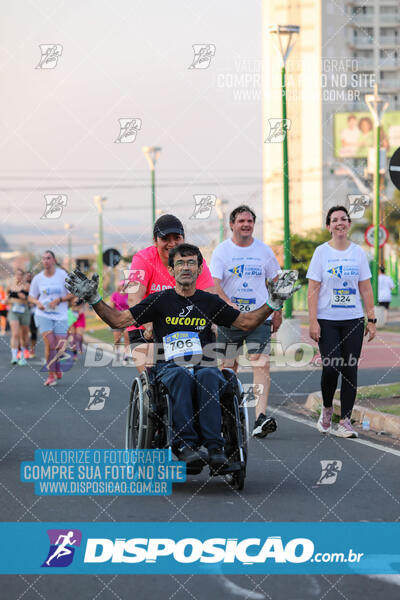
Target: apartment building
column 343, row 49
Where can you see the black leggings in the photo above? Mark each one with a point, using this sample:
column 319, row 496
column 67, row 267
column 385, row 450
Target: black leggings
column 340, row 347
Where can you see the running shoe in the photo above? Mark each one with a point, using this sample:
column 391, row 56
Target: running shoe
column 345, row 429
column 59, row 374
column 32, row 355
column 22, row 362
column 51, row 380
column 14, row 361
column 263, row 426
column 19, row 354
column 325, row 420
column 27, row 354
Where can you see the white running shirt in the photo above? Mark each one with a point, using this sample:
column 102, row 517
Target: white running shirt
column 385, row 286
column 47, row 289
column 339, row 272
column 243, row 271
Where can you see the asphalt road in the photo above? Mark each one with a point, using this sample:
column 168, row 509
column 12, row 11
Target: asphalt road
column 281, row 484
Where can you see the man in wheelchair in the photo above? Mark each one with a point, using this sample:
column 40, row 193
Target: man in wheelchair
column 182, row 319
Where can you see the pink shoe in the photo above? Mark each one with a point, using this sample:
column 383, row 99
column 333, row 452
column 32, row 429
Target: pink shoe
column 51, row 380
column 325, row 420
column 345, row 429
column 59, row 374
column 27, row 354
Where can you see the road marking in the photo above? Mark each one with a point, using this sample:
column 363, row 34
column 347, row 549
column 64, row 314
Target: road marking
column 356, row 441
column 236, row 590
column 394, row 579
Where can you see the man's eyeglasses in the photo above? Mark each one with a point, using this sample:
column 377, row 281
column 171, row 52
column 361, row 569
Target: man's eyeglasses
column 188, row 263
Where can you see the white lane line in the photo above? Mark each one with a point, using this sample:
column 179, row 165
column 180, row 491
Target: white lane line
column 236, row 590
column 394, row 579
column 355, row 441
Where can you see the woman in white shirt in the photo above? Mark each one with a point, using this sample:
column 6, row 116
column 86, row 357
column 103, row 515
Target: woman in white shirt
column 339, row 276
column 49, row 295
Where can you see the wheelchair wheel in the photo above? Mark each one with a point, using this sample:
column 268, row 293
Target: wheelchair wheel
column 139, row 427
column 236, row 431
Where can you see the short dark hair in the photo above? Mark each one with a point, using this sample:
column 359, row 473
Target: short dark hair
column 185, row 250
column 382, row 269
column 334, row 209
column 241, row 209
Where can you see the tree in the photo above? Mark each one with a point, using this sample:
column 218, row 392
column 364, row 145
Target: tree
column 302, row 249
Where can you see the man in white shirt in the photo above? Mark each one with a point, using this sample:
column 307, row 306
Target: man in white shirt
column 240, row 267
column 385, row 286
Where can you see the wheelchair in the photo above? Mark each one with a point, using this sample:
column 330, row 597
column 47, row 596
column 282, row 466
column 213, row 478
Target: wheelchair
column 149, row 423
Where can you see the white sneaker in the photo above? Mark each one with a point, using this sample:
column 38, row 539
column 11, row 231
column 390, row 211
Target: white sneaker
column 345, row 429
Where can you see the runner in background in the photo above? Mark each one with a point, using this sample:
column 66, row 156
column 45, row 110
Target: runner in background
column 119, row 300
column 19, row 317
column 32, row 324
column 339, row 276
column 3, row 310
column 50, row 297
column 77, row 324
column 149, row 273
column 385, row 286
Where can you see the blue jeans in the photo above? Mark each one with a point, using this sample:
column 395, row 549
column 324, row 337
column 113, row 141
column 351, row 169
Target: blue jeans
column 184, row 385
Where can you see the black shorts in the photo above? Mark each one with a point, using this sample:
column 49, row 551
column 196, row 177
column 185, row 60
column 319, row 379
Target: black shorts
column 385, row 304
column 136, row 337
column 3, row 313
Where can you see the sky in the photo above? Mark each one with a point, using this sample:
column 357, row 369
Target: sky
column 125, row 59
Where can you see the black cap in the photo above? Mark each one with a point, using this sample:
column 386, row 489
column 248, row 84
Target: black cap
column 167, row 224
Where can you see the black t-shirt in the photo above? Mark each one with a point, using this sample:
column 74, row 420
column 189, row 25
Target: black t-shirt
column 192, row 316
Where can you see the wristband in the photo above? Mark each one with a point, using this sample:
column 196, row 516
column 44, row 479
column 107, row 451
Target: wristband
column 96, row 301
column 372, row 321
column 273, row 308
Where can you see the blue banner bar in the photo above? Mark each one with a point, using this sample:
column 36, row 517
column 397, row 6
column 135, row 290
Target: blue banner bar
column 200, row 548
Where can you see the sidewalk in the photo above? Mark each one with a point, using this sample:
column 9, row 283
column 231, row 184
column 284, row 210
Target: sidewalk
column 370, row 409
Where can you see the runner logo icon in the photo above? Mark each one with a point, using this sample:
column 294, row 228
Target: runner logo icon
column 237, row 270
column 336, row 271
column 62, row 547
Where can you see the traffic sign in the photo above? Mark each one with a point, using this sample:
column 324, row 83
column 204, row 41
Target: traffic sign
column 394, row 169
column 383, row 235
column 111, row 257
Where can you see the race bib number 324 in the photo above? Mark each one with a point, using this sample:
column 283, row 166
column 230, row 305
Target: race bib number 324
column 343, row 298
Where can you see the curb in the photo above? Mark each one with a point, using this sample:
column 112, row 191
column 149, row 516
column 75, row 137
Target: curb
column 377, row 421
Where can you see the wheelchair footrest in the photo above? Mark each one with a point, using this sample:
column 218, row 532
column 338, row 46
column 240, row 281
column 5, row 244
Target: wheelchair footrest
column 229, row 468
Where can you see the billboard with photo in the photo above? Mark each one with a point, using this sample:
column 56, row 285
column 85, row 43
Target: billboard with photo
column 354, row 133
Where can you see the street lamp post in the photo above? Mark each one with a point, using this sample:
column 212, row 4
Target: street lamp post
column 99, row 201
column 219, row 207
column 377, row 106
column 285, row 33
column 68, row 228
column 152, row 154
